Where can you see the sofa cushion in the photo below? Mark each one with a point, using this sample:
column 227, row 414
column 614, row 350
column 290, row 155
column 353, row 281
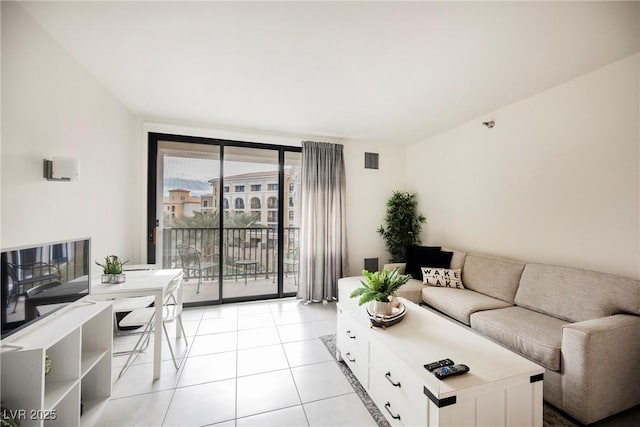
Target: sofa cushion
column 459, row 303
column 574, row 294
column 425, row 256
column 534, row 335
column 412, row 290
column 457, row 260
column 496, row 277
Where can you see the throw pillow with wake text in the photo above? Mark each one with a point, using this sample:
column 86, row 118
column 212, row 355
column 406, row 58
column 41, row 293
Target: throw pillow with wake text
column 442, row 277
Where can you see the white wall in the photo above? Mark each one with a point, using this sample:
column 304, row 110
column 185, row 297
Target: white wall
column 51, row 106
column 367, row 193
column 556, row 180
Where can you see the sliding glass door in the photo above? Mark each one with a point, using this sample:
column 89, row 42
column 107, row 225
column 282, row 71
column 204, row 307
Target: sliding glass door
column 188, row 217
column 291, row 221
column 250, row 226
column 225, row 212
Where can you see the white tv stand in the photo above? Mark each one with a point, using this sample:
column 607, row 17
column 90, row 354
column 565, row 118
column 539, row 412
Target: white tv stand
column 78, row 341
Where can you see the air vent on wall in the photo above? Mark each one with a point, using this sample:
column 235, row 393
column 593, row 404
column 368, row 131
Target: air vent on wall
column 371, row 264
column 371, row 160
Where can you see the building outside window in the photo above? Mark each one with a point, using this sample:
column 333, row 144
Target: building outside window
column 226, row 189
column 272, row 187
column 292, row 187
column 272, row 217
column 239, row 189
column 256, row 187
column 255, row 203
column 272, row 203
column 239, row 204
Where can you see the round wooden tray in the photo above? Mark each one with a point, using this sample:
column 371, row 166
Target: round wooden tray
column 384, row 321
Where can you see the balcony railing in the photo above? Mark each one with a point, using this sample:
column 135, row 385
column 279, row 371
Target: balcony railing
column 258, row 244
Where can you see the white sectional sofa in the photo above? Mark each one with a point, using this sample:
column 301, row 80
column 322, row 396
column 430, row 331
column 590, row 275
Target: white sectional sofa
column 583, row 327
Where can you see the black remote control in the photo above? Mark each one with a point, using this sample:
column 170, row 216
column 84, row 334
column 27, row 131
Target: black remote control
column 439, row 364
column 449, row 371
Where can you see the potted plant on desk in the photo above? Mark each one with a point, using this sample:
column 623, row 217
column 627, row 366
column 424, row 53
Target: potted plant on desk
column 380, row 287
column 112, row 270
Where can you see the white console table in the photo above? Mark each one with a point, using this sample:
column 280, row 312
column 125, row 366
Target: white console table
column 501, row 389
column 78, row 341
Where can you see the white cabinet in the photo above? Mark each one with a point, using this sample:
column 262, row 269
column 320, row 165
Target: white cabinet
column 77, row 341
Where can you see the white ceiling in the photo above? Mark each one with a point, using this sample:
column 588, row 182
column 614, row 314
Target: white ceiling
column 384, row 72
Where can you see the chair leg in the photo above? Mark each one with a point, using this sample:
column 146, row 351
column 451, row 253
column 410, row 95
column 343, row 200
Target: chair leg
column 142, row 349
column 15, row 306
column 186, row 343
column 136, row 350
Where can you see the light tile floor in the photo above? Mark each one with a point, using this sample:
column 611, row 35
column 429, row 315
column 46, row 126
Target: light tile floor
column 249, row 364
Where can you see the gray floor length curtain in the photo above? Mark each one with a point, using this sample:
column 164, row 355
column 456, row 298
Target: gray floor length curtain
column 323, row 239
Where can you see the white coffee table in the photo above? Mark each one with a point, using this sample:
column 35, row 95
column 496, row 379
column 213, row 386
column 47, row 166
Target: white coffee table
column 501, row 389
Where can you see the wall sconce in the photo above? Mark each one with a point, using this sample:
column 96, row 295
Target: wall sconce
column 61, row 169
column 489, row 124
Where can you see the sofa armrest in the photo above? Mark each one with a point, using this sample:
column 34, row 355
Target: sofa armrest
column 599, row 366
column 391, row 266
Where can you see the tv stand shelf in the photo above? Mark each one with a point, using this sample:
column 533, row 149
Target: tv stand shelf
column 78, row 341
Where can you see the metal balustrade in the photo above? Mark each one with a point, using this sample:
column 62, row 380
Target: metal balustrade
column 239, row 243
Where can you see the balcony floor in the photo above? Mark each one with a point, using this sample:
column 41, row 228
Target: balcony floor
column 233, row 288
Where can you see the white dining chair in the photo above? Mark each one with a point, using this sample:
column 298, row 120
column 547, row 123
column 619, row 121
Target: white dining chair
column 144, row 317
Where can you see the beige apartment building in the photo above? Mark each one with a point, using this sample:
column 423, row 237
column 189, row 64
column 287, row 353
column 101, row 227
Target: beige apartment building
column 256, row 193
column 180, row 203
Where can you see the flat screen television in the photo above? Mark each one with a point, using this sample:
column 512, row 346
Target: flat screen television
column 40, row 279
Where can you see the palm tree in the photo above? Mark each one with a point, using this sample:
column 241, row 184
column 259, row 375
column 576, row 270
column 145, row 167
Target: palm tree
column 198, row 220
column 239, row 219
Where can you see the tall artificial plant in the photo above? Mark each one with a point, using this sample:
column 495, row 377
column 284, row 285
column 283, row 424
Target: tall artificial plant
column 403, row 224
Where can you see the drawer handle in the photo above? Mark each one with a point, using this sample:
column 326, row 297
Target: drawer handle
column 348, row 356
column 387, row 406
column 353, row 337
column 393, row 383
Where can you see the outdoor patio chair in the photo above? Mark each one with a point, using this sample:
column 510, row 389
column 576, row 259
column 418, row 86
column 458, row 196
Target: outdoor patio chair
column 290, row 264
column 26, row 276
column 194, row 265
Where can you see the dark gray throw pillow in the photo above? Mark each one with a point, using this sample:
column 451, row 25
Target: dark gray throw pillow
column 426, row 256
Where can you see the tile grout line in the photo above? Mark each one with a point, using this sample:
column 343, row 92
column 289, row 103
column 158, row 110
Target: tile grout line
column 295, row 384
column 182, row 366
column 273, row 310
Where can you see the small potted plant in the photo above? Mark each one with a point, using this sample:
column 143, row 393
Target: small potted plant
column 112, row 270
column 380, row 287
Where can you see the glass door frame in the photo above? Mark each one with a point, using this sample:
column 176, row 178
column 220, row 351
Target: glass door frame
column 153, row 214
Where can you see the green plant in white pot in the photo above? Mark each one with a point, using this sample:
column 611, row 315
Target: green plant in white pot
column 112, row 269
column 380, row 287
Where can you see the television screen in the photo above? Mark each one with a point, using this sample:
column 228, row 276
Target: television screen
column 38, row 280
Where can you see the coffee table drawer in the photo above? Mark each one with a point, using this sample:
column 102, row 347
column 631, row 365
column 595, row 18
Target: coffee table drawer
column 353, row 345
column 395, row 389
